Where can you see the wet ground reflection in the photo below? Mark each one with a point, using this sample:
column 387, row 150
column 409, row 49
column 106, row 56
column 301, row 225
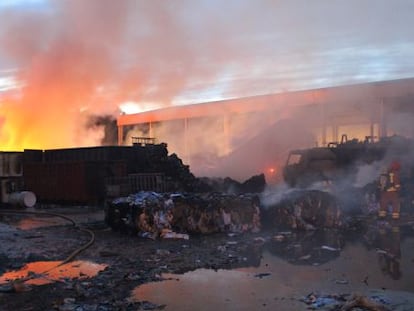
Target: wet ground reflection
column 292, row 266
column 33, row 223
column 307, row 248
column 45, row 272
column 53, row 217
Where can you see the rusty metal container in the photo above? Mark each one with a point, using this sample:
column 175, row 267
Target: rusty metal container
column 74, row 182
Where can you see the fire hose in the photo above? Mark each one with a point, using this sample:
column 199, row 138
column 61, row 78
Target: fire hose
column 75, row 252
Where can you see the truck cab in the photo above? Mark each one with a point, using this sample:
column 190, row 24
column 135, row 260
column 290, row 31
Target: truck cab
column 306, row 166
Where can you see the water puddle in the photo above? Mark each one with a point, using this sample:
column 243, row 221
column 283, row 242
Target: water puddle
column 292, row 266
column 45, row 272
column 34, row 223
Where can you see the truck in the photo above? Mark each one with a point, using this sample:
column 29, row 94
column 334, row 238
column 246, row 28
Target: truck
column 340, row 165
column 338, row 161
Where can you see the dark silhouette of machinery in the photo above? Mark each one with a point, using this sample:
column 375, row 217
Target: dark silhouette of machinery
column 339, row 162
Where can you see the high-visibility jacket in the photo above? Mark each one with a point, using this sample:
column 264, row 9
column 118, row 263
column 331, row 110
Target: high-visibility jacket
column 391, row 181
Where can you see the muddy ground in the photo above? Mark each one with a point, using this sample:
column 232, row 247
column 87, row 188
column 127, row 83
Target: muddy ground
column 130, row 260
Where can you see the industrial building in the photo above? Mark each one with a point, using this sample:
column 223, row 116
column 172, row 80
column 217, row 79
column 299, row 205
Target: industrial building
column 202, row 133
column 237, row 138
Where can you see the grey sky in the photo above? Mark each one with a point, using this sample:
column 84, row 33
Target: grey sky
column 195, row 50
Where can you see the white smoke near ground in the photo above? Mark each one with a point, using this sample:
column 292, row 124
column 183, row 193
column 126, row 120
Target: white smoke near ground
column 274, row 194
column 369, row 173
column 351, row 184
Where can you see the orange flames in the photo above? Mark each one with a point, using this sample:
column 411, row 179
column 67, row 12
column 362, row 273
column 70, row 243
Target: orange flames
column 67, row 66
column 53, row 107
column 39, row 120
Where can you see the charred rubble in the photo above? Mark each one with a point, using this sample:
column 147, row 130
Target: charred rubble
column 210, row 205
column 255, row 184
column 304, row 211
column 174, row 215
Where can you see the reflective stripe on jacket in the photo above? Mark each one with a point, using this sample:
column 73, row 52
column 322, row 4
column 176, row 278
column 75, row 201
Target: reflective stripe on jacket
column 393, row 182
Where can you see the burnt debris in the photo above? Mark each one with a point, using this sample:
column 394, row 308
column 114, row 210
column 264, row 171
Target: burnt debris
column 173, row 215
column 304, row 210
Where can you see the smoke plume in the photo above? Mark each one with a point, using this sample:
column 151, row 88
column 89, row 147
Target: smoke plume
column 77, row 60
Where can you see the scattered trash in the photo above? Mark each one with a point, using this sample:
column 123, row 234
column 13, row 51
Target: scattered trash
column 279, row 237
column 358, row 301
column 231, row 243
column 259, row 240
column 381, row 299
column 329, row 248
column 69, row 300
column 174, row 235
column 306, row 257
column 343, row 281
column 221, row 248
column 345, row 302
column 315, row 301
column 261, row 275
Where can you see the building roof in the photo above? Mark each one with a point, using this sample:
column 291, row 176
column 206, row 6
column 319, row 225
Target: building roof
column 373, row 92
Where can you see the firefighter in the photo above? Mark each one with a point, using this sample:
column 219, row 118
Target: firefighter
column 390, row 191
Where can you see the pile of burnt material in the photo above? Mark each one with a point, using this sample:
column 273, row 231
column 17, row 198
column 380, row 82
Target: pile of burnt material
column 255, row 184
column 304, row 210
column 173, row 215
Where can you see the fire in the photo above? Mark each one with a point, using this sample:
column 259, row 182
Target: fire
column 41, row 122
column 27, row 124
column 66, row 74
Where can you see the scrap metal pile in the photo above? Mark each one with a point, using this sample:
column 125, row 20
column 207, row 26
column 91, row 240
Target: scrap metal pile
column 175, row 215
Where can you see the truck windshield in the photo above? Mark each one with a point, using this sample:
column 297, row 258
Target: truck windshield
column 294, row 158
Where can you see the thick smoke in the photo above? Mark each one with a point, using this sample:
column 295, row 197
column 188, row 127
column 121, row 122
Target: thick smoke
column 66, row 60
column 81, row 59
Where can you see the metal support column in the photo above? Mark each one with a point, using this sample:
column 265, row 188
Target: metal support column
column 120, row 135
column 335, row 132
column 323, row 114
column 383, row 119
column 150, row 130
column 371, row 128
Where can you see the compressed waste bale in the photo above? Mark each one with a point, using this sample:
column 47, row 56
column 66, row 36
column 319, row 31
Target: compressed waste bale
column 155, row 214
column 304, row 210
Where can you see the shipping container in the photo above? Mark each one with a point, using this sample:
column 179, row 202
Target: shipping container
column 32, row 155
column 139, row 159
column 71, row 182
